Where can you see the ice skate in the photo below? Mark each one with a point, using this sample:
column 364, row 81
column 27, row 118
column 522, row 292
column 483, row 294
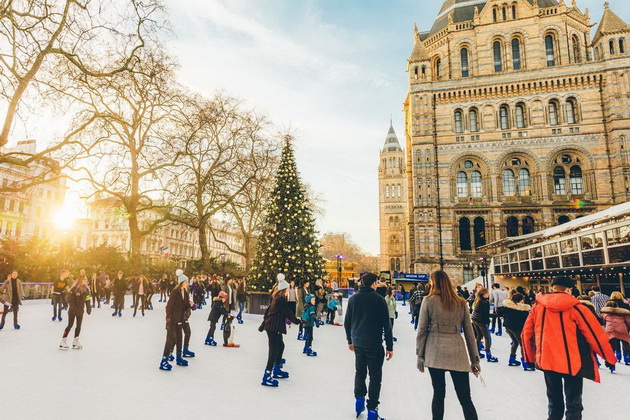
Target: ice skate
column 64, row 344
column 279, row 373
column 187, row 353
column 75, row 344
column 180, row 361
column 359, row 405
column 54, row 318
column 513, row 361
column 165, row 365
column 490, row 358
column 310, row 352
column 267, row 381
column 373, row 415
column 527, row 367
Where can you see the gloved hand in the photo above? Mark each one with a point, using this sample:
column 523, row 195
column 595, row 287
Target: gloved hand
column 421, row 364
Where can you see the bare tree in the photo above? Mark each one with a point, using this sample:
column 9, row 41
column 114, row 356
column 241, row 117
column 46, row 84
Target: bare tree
column 224, row 149
column 334, row 244
column 133, row 151
column 39, row 38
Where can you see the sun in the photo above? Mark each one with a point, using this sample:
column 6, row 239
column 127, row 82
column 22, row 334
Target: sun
column 63, row 219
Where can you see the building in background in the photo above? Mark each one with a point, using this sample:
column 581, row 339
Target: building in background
column 392, row 193
column 31, row 213
column 516, row 120
column 349, row 270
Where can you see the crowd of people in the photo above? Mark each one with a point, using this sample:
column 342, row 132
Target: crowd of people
column 562, row 331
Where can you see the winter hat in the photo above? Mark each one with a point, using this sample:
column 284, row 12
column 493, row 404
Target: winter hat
column 181, row 278
column 563, row 281
column 223, row 294
column 282, row 284
column 280, row 277
column 179, row 272
column 308, row 298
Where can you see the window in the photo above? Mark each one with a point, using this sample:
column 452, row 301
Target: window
column 504, row 118
column 513, row 11
column 386, row 191
column 559, row 181
column 464, row 62
column 520, row 116
column 575, row 177
column 577, row 51
column 622, row 46
column 494, row 15
column 459, row 126
column 462, row 184
column 524, row 182
column 476, row 188
column 563, row 219
column 528, row 225
column 473, row 119
column 509, row 184
column 516, row 54
column 464, row 234
column 512, row 226
column 438, row 69
column 611, row 44
column 570, row 111
column 553, row 113
column 498, row 57
column 398, row 191
column 415, row 71
column 504, row 13
column 550, row 50
column 479, row 232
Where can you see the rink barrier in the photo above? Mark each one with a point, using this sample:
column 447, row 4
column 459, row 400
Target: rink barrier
column 42, row 290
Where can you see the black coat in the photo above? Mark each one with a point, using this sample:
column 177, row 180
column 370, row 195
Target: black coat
column 514, row 314
column 217, row 310
column 367, row 317
column 120, row 285
column 276, row 316
column 481, row 312
column 78, row 300
column 178, row 308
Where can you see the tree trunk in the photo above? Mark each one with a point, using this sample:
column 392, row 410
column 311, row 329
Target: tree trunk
column 203, row 246
column 136, row 242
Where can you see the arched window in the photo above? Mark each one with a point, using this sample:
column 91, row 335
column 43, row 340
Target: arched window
column 464, row 234
column 509, row 184
column 571, row 108
column 464, row 62
column 386, row 191
column 504, row 117
column 415, row 71
column 563, row 219
column 424, row 71
column 494, row 15
column 437, row 71
column 611, row 44
column 577, row 51
column 528, row 225
column 498, row 56
column 512, row 226
column 459, row 126
column 553, row 113
column 504, row 13
column 550, row 50
column 516, row 53
column 524, row 182
column 575, row 178
column 462, row 184
column 622, row 46
column 473, row 120
column 559, row 181
column 520, row 116
column 476, row 187
column 479, row 232
column 513, row 11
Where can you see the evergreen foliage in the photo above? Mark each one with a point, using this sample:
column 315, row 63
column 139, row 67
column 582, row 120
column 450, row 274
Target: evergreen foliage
column 288, row 243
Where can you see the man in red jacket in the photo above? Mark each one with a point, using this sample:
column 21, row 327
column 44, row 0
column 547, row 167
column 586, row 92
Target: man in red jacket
column 562, row 336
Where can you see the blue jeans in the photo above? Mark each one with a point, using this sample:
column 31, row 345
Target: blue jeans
column 241, row 308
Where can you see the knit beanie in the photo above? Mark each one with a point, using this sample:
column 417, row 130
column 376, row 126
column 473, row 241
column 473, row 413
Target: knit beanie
column 281, row 277
column 282, row 285
column 181, row 278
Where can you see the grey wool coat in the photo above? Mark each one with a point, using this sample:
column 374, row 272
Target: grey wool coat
column 439, row 343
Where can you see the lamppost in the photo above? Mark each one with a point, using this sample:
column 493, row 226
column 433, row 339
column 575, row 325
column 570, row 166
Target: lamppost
column 483, row 267
column 223, row 257
column 339, row 258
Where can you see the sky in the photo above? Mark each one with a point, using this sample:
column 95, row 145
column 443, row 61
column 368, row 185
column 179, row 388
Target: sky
column 332, row 71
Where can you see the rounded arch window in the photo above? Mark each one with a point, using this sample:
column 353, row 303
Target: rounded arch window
column 497, row 51
column 504, row 117
column 473, row 120
column 550, row 49
column 468, row 164
column 512, row 226
column 554, row 118
column 459, row 121
column 529, row 225
column 568, row 175
column 437, row 68
column 571, row 111
column 622, row 46
column 521, row 121
column 577, row 50
column 464, row 234
column 563, row 219
column 462, row 184
column 516, row 176
column 464, row 58
column 514, row 11
column 469, row 179
column 479, row 232
column 516, row 54
column 611, row 44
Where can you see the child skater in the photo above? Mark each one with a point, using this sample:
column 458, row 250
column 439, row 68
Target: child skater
column 216, row 312
column 78, row 301
column 332, row 309
column 309, row 317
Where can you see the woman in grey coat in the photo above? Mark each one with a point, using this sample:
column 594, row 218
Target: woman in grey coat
column 441, row 348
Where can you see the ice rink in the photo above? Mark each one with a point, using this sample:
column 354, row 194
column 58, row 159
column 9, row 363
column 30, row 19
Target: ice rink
column 116, row 376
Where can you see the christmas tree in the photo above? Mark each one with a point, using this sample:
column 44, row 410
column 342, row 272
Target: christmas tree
column 288, row 243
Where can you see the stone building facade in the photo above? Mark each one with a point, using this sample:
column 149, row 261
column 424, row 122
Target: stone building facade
column 515, row 120
column 392, row 180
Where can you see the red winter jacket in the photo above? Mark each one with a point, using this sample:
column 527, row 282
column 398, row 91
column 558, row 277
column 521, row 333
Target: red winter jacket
column 561, row 334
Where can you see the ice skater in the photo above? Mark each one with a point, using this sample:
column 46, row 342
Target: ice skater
column 120, row 288
column 274, row 323
column 14, row 293
column 217, row 310
column 178, row 310
column 309, row 319
column 480, row 320
column 514, row 313
column 78, row 303
column 56, row 294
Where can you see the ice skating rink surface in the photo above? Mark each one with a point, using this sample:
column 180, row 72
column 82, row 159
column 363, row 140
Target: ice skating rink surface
column 116, row 376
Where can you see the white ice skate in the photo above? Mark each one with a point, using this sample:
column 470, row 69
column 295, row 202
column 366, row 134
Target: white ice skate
column 63, row 345
column 76, row 345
